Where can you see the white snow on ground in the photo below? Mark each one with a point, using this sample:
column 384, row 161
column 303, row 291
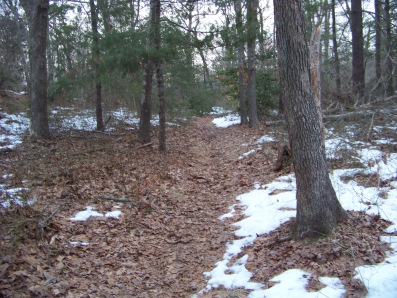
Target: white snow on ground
column 265, row 139
column 69, row 118
column 12, row 128
column 268, row 206
column 226, row 121
column 261, row 140
column 11, row 196
column 84, row 215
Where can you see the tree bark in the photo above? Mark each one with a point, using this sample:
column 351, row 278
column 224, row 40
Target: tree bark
column 338, row 83
column 318, row 209
column 358, row 69
column 378, row 43
column 37, row 13
column 315, row 77
column 252, row 10
column 95, row 60
column 146, row 101
column 389, row 51
column 159, row 77
column 242, row 82
column 326, row 31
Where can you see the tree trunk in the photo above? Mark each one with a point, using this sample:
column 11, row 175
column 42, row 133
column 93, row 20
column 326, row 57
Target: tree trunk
column 338, row 83
column 261, row 38
column 389, row 51
column 315, row 78
column 326, row 32
column 37, row 13
column 95, row 60
column 146, row 102
column 159, row 77
column 22, row 34
column 252, row 9
column 240, row 61
column 378, row 43
column 358, row 69
column 318, row 209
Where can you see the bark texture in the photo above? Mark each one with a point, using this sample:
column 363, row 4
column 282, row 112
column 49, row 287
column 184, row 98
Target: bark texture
column 252, row 20
column 389, row 51
column 240, row 60
column 315, row 77
column 146, row 101
column 37, row 13
column 338, row 83
column 358, row 68
column 95, row 59
column 159, row 77
column 378, row 42
column 318, row 209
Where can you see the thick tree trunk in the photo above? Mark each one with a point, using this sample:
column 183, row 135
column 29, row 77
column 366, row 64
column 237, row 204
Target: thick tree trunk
column 318, row 209
column 252, row 10
column 338, row 83
column 95, row 60
column 358, row 69
column 37, row 12
column 146, row 105
column 146, row 102
column 315, row 77
column 242, row 82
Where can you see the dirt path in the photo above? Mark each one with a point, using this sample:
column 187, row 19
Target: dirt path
column 167, row 236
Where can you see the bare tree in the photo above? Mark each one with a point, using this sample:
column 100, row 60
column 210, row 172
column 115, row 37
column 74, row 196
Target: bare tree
column 318, row 209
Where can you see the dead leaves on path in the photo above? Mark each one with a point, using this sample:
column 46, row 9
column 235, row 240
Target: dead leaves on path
column 169, row 232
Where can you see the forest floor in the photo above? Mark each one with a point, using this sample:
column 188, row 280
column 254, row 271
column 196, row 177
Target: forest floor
column 169, row 232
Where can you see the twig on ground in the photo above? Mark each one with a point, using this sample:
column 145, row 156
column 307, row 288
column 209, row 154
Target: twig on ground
column 144, row 145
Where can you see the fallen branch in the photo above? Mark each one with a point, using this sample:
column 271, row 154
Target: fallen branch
column 144, row 145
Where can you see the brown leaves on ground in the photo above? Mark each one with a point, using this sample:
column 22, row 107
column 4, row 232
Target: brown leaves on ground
column 169, row 232
column 355, row 242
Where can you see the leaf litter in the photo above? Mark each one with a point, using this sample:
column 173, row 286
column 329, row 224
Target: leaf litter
column 169, row 232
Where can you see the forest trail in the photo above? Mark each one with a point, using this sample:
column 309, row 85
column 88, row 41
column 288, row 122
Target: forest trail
column 166, row 237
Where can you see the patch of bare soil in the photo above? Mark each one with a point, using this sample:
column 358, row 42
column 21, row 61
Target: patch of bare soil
column 169, row 232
